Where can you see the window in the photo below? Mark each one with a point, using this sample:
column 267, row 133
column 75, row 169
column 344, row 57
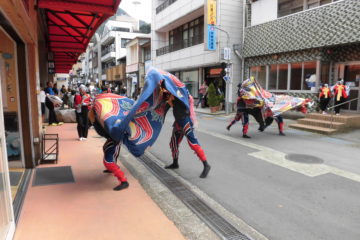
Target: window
column 187, row 35
column 283, row 76
column 325, row 70
column 147, row 53
column 124, row 41
column 310, row 75
column 273, row 77
column 120, row 29
column 296, row 76
column 259, row 72
column 191, row 81
column 287, row 7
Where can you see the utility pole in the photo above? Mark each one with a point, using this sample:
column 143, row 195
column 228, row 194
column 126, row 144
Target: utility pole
column 227, row 78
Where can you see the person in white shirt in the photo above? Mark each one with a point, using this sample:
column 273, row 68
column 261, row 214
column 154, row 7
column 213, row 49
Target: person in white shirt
column 42, row 101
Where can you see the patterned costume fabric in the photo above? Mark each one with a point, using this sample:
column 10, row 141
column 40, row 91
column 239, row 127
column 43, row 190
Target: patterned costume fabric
column 273, row 105
column 138, row 124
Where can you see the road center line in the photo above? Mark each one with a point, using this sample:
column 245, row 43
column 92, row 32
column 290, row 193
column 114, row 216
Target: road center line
column 278, row 158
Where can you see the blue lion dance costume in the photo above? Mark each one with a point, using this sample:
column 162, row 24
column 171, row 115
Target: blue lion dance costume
column 138, row 124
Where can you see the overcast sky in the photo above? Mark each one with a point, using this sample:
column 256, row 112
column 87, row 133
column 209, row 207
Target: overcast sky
column 140, row 9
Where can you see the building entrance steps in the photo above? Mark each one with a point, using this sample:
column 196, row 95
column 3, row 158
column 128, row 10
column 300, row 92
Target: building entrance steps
column 89, row 208
column 328, row 123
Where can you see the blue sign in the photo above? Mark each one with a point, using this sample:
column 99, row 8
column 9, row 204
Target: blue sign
column 226, row 78
column 211, row 43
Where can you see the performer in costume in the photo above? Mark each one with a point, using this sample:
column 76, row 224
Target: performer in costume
column 138, row 124
column 183, row 126
column 340, row 95
column 325, row 96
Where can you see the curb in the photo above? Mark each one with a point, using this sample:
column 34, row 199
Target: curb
column 190, row 225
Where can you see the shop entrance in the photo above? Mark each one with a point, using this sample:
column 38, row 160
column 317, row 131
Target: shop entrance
column 350, row 72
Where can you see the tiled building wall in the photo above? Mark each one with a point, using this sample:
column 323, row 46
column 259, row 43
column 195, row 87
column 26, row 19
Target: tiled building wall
column 333, row 24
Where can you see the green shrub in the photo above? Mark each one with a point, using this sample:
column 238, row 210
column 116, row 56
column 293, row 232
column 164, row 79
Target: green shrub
column 213, row 99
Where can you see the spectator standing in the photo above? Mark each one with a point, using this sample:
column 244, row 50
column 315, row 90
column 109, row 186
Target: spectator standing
column 55, row 89
column 202, row 93
column 82, row 104
column 42, row 96
column 52, row 116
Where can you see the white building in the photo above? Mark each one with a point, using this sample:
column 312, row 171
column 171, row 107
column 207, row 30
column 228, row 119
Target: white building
column 113, row 43
column 179, row 41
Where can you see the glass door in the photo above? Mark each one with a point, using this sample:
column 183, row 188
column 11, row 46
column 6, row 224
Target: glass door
column 7, row 225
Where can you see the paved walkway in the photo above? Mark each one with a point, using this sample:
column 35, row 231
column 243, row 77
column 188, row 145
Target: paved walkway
column 89, row 208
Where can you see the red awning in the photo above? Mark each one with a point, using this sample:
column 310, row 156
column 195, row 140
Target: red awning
column 71, row 24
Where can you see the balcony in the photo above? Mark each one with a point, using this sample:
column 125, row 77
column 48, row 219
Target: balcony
column 108, row 53
column 180, row 45
column 164, row 5
column 108, row 38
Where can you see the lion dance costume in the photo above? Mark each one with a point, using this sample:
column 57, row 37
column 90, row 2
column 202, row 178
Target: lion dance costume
column 137, row 124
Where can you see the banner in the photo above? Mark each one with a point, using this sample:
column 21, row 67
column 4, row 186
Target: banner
column 210, row 21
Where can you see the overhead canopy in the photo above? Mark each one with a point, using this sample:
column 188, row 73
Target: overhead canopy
column 71, row 24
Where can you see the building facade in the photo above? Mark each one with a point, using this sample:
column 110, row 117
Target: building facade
column 180, row 42
column 138, row 52
column 296, row 46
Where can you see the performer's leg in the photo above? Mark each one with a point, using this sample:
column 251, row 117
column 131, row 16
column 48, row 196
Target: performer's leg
column 85, row 119
column 236, row 119
column 245, row 122
column 280, row 122
column 78, row 127
column 337, row 109
column 176, row 138
column 194, row 144
column 50, row 106
column 111, row 152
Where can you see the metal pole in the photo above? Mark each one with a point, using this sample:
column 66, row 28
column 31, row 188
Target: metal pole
column 227, row 103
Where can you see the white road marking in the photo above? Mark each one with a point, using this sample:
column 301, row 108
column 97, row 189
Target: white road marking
column 278, row 158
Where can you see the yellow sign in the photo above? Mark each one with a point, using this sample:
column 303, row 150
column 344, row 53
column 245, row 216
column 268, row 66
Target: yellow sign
column 211, row 12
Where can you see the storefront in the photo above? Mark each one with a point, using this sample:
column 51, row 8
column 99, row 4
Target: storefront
column 191, row 80
column 213, row 75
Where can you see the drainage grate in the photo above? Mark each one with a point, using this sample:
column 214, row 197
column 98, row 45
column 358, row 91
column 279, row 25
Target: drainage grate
column 303, row 158
column 217, row 223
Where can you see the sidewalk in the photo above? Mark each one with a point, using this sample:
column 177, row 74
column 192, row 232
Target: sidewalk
column 89, row 208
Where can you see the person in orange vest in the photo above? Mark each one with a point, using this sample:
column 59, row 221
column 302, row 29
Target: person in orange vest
column 339, row 95
column 324, row 96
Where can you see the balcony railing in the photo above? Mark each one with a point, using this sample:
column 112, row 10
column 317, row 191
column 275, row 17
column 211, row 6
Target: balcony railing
column 180, row 45
column 107, row 50
column 164, row 5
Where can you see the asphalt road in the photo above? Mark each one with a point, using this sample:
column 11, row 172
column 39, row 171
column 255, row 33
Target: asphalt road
column 281, row 199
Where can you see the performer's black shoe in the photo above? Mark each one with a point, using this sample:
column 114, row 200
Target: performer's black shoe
column 121, row 186
column 282, row 134
column 206, row 170
column 228, row 127
column 246, row 136
column 172, row 166
column 106, row 171
column 261, row 128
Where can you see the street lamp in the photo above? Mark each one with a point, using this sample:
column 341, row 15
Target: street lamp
column 227, row 78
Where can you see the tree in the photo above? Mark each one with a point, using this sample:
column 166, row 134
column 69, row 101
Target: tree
column 145, row 28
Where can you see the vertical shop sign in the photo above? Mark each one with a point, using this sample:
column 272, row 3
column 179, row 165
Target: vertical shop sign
column 210, row 18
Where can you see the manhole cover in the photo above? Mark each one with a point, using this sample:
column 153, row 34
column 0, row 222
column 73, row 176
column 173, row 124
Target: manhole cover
column 303, row 158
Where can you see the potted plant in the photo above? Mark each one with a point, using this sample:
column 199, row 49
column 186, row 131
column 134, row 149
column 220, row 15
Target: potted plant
column 213, row 99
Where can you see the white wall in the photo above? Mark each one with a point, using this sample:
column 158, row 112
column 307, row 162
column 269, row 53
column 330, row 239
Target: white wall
column 263, row 11
column 173, row 12
column 187, row 58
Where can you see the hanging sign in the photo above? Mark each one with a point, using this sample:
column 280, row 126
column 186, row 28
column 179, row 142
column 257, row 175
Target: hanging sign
column 210, row 19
